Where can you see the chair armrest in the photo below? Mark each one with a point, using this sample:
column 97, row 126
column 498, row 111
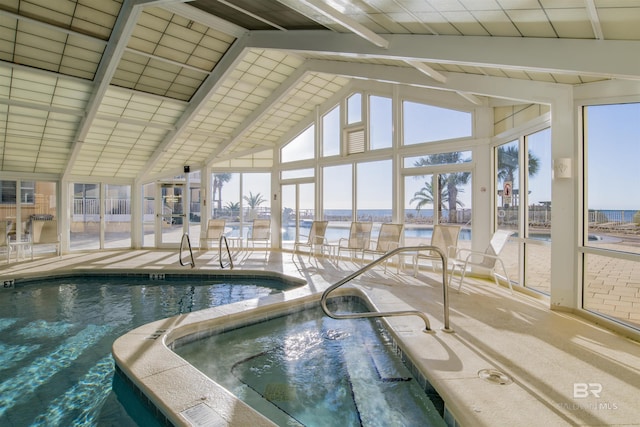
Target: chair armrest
column 478, row 254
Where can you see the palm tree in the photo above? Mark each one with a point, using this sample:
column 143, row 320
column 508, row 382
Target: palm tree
column 425, row 196
column 254, row 200
column 448, row 183
column 233, row 208
column 508, row 162
column 219, row 179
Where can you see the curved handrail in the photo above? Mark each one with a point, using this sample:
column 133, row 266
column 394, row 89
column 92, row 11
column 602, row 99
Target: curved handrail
column 192, row 263
column 226, row 243
column 423, row 316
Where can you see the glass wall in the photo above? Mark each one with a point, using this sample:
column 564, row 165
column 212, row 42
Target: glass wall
column 537, row 243
column 117, row 218
column 298, row 212
column 85, row 217
column 331, row 133
column 418, row 209
column 239, row 198
column 434, row 198
column 427, row 123
column 508, row 204
column 22, row 202
column 374, row 193
column 149, row 215
column 612, row 212
column 337, row 199
column 380, row 122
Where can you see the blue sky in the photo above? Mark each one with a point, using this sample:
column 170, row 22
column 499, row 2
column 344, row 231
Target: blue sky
column 613, row 149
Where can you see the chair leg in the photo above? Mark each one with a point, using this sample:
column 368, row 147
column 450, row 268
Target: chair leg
column 506, row 274
column 462, row 273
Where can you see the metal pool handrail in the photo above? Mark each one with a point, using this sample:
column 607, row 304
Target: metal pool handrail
column 223, row 238
column 192, row 263
column 423, row 316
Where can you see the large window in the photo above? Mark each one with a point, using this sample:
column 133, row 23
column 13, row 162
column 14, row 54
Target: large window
column 374, row 193
column 85, row 217
column 301, row 147
column 380, row 122
column 437, row 197
column 612, row 205
column 240, row 198
column 331, row 133
column 337, row 199
column 117, row 218
column 426, row 123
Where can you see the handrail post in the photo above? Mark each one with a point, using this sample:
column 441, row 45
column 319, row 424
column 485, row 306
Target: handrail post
column 185, row 236
column 226, row 243
column 423, row 316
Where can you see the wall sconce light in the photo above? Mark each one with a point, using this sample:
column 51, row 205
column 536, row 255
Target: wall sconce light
column 562, row 168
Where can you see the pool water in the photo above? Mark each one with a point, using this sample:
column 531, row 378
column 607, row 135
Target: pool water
column 56, row 367
column 308, row 369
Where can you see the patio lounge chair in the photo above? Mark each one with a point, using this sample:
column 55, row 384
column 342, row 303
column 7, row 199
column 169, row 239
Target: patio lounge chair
column 215, row 230
column 388, row 239
column 260, row 233
column 45, row 232
column 315, row 239
column 486, row 260
column 358, row 240
column 443, row 237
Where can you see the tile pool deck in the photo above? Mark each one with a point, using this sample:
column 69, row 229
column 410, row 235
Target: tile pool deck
column 565, row 371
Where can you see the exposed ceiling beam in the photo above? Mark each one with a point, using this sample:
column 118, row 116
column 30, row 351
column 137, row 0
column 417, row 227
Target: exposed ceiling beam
column 425, row 69
column 226, row 65
column 122, row 30
column 253, row 15
column 255, row 115
column 592, row 11
column 342, row 19
column 206, row 19
column 470, row 97
column 595, row 58
column 55, row 28
column 499, row 87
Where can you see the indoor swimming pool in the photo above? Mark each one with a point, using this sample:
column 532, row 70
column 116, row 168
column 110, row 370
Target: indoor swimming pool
column 307, row 369
column 56, row 367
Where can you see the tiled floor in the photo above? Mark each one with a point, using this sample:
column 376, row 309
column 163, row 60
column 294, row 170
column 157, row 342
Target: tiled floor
column 564, row 370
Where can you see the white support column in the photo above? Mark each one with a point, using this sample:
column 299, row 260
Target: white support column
column 564, row 227
column 64, row 210
column 483, row 177
column 276, row 202
column 137, row 204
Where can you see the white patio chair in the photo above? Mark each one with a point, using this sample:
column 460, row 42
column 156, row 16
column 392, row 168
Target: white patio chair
column 388, row 240
column 443, row 237
column 45, row 233
column 260, row 233
column 358, row 240
column 215, row 230
column 486, row 260
column 315, row 239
